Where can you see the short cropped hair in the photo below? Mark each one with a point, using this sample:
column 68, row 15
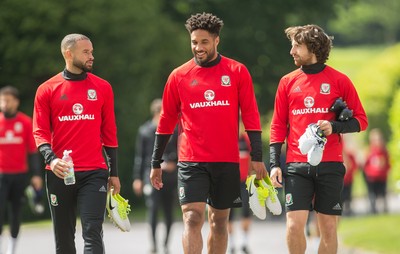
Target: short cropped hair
column 314, row 37
column 204, row 21
column 10, row 90
column 70, row 40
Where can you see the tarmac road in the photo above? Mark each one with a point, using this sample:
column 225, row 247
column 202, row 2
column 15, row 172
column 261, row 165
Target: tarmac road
column 265, row 236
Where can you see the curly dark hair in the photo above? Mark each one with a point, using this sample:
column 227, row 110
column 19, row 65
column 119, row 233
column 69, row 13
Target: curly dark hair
column 314, row 37
column 205, row 21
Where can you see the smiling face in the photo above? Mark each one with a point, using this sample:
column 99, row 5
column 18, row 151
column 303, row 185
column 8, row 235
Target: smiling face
column 204, row 46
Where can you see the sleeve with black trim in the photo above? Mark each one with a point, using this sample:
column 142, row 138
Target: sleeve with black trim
column 349, row 126
column 256, row 145
column 275, row 151
column 111, row 153
column 47, row 153
column 160, row 143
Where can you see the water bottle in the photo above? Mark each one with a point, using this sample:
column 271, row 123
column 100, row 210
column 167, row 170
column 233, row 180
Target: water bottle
column 69, row 178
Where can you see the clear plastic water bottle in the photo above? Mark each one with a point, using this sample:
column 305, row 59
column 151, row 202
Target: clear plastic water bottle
column 69, row 178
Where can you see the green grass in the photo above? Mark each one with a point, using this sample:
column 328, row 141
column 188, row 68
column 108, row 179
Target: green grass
column 350, row 60
column 379, row 233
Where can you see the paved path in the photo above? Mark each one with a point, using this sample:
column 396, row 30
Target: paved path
column 265, row 236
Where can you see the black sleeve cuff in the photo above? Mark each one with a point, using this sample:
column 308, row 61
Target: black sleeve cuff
column 111, row 160
column 275, row 150
column 160, row 143
column 349, row 126
column 256, row 145
column 47, row 153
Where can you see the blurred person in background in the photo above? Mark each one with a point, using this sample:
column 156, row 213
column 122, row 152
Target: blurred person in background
column 376, row 169
column 350, row 163
column 156, row 200
column 18, row 154
column 245, row 216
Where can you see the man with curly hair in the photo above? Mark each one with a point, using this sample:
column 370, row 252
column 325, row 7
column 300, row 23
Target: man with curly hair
column 204, row 96
column 305, row 96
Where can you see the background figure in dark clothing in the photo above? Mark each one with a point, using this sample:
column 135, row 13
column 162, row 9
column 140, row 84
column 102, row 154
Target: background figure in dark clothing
column 165, row 198
column 376, row 170
column 245, row 214
column 18, row 153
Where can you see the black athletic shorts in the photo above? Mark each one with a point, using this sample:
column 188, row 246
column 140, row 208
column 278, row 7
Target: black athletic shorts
column 316, row 188
column 216, row 183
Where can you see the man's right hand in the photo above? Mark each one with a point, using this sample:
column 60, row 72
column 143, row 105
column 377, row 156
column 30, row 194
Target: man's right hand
column 156, row 178
column 276, row 177
column 59, row 167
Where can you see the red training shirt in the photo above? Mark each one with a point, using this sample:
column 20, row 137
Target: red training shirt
column 77, row 116
column 16, row 142
column 206, row 101
column 302, row 99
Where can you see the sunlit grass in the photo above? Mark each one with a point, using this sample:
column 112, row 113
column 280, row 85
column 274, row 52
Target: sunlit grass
column 379, row 233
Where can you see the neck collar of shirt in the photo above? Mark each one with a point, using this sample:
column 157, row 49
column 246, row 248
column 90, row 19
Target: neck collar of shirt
column 74, row 77
column 313, row 68
column 10, row 115
column 211, row 63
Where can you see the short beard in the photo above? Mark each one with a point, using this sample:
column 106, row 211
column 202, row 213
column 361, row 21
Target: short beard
column 81, row 66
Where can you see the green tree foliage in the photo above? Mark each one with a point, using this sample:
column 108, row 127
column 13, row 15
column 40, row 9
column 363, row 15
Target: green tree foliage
column 367, row 22
column 138, row 43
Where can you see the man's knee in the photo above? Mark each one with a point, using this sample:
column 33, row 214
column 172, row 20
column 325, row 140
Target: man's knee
column 193, row 218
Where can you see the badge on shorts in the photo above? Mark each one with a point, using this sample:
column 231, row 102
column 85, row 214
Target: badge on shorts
column 289, row 199
column 53, row 200
column 181, row 192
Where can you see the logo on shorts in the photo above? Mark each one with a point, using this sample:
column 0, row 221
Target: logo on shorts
column 337, row 207
column 238, row 200
column 181, row 192
column 53, row 200
column 289, row 199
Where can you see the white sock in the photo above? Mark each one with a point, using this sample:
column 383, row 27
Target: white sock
column 231, row 242
column 12, row 243
column 245, row 239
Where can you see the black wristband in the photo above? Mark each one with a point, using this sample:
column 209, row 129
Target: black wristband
column 256, row 145
column 47, row 153
column 160, row 143
column 275, row 151
column 111, row 160
column 351, row 125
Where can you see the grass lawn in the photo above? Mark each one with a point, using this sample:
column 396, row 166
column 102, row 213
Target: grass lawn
column 378, row 233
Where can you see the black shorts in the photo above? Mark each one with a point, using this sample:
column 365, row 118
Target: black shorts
column 215, row 183
column 316, row 188
column 245, row 210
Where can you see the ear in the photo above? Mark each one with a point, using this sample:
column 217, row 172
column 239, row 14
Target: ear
column 68, row 54
column 217, row 40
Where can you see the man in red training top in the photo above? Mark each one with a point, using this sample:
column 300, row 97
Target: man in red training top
column 205, row 95
column 74, row 110
column 18, row 153
column 305, row 97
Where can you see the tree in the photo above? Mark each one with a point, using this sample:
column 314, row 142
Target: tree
column 367, row 22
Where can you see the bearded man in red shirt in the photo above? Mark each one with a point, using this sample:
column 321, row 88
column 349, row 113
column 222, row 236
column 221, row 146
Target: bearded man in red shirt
column 305, row 96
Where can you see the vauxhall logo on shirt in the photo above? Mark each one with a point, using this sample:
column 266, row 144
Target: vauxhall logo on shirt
column 77, row 108
column 209, row 95
column 309, row 108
